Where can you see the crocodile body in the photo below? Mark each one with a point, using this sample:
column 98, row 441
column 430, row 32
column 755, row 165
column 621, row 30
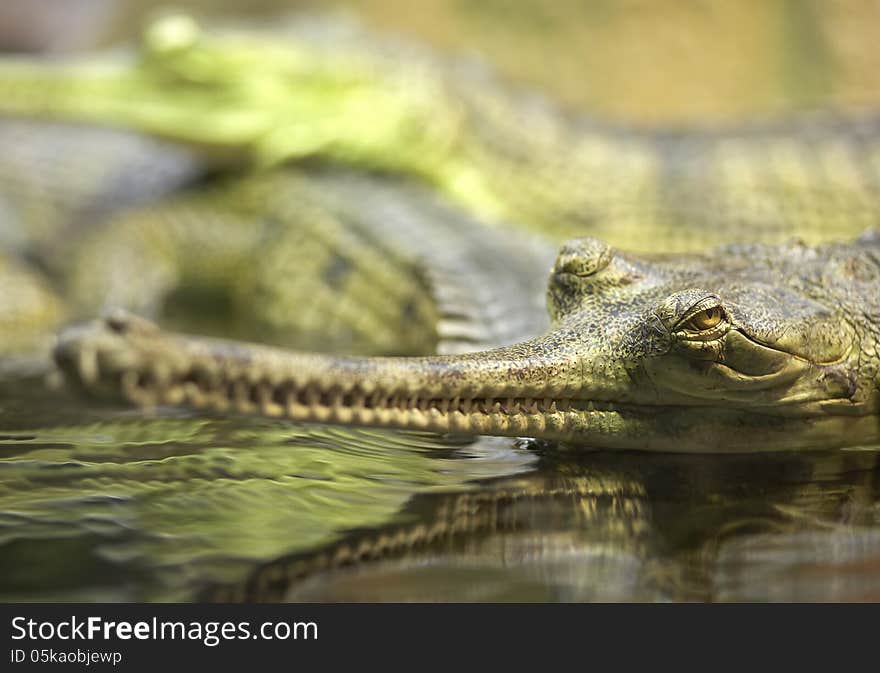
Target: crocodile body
column 422, row 218
column 189, row 106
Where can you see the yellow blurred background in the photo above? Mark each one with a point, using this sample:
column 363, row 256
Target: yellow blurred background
column 651, row 62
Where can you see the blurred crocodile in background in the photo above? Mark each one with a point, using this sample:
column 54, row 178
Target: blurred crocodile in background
column 315, row 189
column 327, row 97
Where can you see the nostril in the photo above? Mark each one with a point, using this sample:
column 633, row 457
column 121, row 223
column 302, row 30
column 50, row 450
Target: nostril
column 120, row 321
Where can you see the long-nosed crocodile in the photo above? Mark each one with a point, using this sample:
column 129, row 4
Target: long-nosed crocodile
column 501, row 160
column 758, row 346
column 749, row 348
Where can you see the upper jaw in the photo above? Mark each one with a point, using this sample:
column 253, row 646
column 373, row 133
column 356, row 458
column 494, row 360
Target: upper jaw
column 549, row 368
column 552, row 388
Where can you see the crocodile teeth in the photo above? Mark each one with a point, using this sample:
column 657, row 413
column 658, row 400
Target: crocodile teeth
column 289, row 400
column 342, row 414
column 312, row 396
column 311, row 401
column 266, row 400
column 174, row 395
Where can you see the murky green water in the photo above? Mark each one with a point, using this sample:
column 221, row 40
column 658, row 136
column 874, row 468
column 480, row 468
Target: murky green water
column 105, row 504
column 650, row 528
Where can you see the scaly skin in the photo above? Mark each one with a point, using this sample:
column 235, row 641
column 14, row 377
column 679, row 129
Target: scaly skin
column 787, row 360
column 501, row 159
column 122, row 218
column 260, row 99
column 381, row 266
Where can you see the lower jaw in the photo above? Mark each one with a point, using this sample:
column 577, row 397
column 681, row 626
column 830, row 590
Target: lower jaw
column 578, row 424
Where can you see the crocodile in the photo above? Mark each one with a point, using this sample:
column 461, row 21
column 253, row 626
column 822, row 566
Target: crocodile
column 261, row 99
column 160, row 169
column 422, row 219
column 749, row 348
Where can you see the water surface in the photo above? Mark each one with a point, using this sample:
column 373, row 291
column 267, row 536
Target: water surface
column 101, row 503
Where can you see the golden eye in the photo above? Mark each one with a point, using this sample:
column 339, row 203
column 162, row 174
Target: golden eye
column 706, row 319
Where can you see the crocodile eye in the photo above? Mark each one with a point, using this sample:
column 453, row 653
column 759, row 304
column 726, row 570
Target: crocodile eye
column 706, row 319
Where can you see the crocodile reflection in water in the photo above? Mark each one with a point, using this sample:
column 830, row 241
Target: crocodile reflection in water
column 609, row 526
column 254, row 127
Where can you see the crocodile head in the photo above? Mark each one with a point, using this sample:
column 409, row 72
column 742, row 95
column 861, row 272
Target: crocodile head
column 747, row 348
column 750, row 347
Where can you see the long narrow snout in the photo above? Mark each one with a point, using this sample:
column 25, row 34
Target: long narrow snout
column 535, row 388
column 548, row 387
